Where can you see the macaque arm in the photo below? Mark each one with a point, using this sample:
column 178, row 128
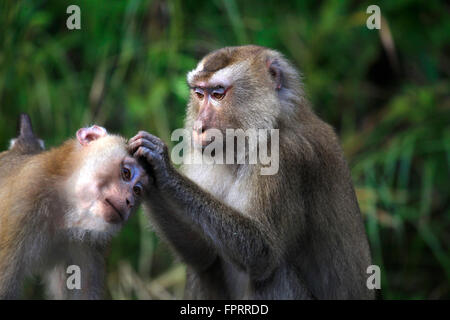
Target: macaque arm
column 192, row 248
column 240, row 238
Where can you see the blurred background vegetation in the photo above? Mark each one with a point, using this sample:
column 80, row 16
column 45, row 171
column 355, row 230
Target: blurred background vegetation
column 387, row 93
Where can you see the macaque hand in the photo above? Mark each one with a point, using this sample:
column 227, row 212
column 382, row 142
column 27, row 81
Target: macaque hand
column 154, row 151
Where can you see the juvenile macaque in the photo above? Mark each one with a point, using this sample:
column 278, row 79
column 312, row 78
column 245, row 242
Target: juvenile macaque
column 295, row 234
column 61, row 207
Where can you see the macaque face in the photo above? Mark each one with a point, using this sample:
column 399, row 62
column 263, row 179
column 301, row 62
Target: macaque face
column 209, row 101
column 230, row 89
column 108, row 186
column 117, row 190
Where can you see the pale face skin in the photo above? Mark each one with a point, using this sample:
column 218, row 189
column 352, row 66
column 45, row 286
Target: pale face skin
column 117, row 190
column 109, row 184
column 209, row 99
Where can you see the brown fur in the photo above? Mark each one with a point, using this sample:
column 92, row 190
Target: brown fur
column 40, row 222
column 222, row 58
column 25, row 208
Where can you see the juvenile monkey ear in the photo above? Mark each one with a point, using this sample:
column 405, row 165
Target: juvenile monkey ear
column 275, row 72
column 87, row 135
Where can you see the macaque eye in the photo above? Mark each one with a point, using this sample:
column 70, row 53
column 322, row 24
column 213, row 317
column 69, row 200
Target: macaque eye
column 137, row 190
column 218, row 93
column 126, row 174
column 199, row 93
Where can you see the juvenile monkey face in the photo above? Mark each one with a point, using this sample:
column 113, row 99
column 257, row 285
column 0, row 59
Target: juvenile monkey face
column 116, row 190
column 107, row 187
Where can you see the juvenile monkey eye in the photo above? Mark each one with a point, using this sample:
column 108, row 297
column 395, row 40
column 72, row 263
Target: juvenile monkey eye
column 199, row 93
column 126, row 174
column 137, row 190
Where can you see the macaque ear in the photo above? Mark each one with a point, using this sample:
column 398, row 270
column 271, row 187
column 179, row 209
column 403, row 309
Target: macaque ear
column 25, row 127
column 87, row 135
column 275, row 73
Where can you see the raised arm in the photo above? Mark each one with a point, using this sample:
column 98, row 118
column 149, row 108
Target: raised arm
column 238, row 238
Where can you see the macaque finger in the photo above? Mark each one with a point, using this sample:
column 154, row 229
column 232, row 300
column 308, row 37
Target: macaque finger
column 143, row 152
column 147, row 136
column 140, row 142
column 137, row 136
column 140, row 134
column 136, row 141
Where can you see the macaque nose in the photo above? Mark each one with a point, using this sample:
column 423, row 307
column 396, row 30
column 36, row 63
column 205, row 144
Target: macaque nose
column 205, row 119
column 130, row 202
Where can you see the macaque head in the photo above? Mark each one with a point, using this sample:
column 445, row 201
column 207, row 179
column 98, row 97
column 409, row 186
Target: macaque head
column 107, row 186
column 247, row 87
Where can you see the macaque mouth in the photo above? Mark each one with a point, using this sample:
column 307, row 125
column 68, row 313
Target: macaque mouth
column 200, row 139
column 115, row 209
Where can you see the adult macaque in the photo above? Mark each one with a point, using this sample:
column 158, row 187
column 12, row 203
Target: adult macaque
column 61, row 207
column 296, row 234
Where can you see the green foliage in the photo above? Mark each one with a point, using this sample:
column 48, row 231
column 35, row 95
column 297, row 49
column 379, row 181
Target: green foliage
column 386, row 92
